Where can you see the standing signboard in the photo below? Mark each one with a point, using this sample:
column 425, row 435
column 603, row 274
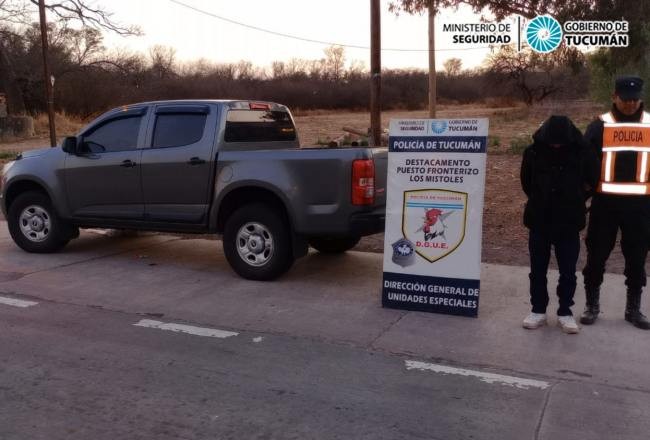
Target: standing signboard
column 434, row 210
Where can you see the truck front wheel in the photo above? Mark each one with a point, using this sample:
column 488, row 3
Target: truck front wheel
column 333, row 245
column 257, row 242
column 34, row 225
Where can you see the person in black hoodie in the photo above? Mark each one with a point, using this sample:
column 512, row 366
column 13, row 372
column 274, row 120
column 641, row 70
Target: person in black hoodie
column 558, row 173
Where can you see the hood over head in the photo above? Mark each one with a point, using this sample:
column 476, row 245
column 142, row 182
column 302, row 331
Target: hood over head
column 558, row 129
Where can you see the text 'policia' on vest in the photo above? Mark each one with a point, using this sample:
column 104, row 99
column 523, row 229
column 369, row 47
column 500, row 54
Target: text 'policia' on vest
column 625, row 138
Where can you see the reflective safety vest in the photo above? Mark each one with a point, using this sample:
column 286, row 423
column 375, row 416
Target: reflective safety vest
column 625, row 137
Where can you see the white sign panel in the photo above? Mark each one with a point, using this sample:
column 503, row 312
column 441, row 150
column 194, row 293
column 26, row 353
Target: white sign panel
column 434, row 210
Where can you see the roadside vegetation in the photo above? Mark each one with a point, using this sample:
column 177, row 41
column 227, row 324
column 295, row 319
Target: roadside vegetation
column 91, row 79
column 7, row 156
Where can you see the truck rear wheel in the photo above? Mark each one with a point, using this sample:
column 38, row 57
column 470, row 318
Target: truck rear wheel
column 333, row 245
column 34, row 225
column 257, row 242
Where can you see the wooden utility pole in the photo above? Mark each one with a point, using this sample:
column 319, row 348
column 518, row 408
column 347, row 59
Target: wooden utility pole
column 432, row 60
column 375, row 72
column 47, row 78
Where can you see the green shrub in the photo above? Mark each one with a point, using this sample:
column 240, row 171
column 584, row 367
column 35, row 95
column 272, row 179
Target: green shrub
column 7, row 155
column 519, row 144
column 494, row 141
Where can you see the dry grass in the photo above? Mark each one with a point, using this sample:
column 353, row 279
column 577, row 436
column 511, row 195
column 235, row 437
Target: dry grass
column 509, row 126
column 66, row 125
column 504, row 236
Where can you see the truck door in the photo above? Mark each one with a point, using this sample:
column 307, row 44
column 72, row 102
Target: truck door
column 103, row 180
column 178, row 165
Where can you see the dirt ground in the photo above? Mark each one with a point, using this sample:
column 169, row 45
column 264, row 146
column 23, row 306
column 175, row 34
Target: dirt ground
column 504, row 236
column 505, row 239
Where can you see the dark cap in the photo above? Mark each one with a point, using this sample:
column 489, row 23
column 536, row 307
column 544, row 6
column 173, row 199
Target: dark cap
column 629, row 87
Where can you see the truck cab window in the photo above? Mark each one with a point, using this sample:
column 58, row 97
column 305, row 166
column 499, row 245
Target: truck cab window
column 112, row 136
column 178, row 129
column 259, row 126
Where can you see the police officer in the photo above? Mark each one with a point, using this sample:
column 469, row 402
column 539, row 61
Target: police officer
column 621, row 138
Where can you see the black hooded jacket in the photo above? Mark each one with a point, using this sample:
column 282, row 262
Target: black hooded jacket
column 558, row 174
column 625, row 165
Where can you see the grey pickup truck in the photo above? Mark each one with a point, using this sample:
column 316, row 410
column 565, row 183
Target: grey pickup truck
column 210, row 166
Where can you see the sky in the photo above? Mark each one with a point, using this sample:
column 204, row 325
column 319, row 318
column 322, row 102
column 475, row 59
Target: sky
column 195, row 35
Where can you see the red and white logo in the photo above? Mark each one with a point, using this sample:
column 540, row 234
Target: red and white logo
column 434, row 221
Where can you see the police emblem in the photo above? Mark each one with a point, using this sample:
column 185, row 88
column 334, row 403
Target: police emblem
column 403, row 252
column 434, row 221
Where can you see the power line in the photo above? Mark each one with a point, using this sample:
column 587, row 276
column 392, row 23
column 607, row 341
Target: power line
column 310, row 40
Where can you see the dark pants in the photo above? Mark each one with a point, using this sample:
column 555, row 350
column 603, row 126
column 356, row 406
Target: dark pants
column 567, row 249
column 601, row 238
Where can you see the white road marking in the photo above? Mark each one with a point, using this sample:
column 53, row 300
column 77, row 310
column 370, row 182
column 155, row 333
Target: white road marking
column 181, row 328
column 16, row 302
column 517, row 382
column 258, row 339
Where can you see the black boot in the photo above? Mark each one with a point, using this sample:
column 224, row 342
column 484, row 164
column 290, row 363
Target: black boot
column 633, row 310
column 592, row 308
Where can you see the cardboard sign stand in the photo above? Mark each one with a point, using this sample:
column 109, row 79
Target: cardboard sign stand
column 434, row 210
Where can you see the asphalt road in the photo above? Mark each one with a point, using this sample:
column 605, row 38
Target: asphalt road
column 154, row 338
column 76, row 372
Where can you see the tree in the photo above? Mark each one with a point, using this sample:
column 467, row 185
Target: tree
column 20, row 12
column 607, row 63
column 453, row 66
column 536, row 76
column 334, row 62
column 163, row 60
column 8, row 82
column 499, row 8
column 278, row 70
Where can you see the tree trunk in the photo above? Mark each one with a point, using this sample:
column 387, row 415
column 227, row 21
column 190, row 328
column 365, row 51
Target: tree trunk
column 9, row 84
column 432, row 61
column 375, row 71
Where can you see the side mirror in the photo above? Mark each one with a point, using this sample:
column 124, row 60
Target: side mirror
column 69, row 145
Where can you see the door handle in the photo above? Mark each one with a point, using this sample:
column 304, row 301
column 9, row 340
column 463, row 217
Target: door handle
column 128, row 164
column 195, row 161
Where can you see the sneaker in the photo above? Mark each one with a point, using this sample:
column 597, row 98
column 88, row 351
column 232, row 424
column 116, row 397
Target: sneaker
column 568, row 324
column 535, row 320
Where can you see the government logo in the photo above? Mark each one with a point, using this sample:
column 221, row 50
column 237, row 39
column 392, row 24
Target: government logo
column 439, row 127
column 544, row 34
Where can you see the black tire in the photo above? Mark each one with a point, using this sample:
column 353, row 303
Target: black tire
column 333, row 245
column 265, row 225
column 53, row 236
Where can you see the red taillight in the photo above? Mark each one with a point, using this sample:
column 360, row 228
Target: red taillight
column 363, row 182
column 259, row 106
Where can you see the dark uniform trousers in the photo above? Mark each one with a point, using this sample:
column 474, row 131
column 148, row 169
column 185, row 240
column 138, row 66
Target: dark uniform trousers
column 604, row 223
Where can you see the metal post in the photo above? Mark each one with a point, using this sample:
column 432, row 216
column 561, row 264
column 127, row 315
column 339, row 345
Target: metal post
column 432, row 60
column 375, row 72
column 47, row 79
